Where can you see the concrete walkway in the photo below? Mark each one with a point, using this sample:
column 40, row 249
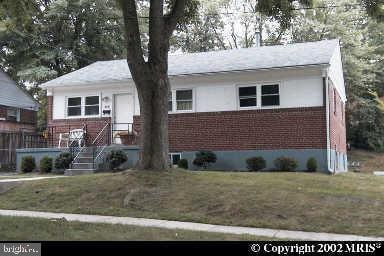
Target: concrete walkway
column 272, row 233
column 31, row 178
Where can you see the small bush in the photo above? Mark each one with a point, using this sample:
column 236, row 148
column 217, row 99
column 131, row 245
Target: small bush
column 312, row 164
column 63, row 161
column 46, row 164
column 256, row 163
column 204, row 159
column 183, row 163
column 28, row 164
column 115, row 158
column 287, row 164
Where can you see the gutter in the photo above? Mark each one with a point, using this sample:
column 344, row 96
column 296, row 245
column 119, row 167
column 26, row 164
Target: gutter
column 328, row 123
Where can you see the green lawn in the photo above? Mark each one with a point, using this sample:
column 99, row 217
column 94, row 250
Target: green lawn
column 16, row 228
column 347, row 203
column 369, row 161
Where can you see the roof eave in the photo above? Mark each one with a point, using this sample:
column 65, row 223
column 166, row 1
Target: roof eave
column 321, row 65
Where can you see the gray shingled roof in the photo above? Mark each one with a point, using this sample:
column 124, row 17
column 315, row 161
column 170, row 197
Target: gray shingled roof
column 302, row 54
column 13, row 96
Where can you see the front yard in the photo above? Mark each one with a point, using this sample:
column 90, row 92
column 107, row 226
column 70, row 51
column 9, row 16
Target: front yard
column 348, row 203
column 16, row 228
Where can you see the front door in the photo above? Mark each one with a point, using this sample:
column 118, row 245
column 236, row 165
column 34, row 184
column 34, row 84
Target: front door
column 123, row 112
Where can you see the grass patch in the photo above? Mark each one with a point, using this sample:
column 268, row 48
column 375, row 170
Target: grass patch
column 26, row 175
column 369, row 161
column 17, row 228
column 347, row 203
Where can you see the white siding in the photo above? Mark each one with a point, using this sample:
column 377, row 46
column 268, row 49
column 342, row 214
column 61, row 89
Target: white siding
column 306, row 92
column 216, row 92
column 298, row 88
column 336, row 73
column 215, row 98
column 60, row 95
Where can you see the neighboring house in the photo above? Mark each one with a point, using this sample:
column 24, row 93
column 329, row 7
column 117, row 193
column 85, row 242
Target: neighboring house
column 268, row 101
column 18, row 110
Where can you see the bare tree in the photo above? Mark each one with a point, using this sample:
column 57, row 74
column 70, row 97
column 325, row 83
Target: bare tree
column 150, row 76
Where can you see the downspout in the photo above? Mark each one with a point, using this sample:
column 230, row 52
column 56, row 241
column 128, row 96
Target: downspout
column 328, row 124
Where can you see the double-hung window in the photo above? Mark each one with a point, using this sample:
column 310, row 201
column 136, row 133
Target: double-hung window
column 91, row 107
column 74, row 106
column 270, row 95
column 180, row 100
column 247, row 96
column 184, row 100
column 83, row 106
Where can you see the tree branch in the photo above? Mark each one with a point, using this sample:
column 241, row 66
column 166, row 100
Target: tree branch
column 132, row 33
column 173, row 17
column 156, row 32
column 217, row 36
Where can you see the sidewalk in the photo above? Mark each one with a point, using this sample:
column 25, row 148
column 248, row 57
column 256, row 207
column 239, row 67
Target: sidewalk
column 31, row 178
column 272, row 233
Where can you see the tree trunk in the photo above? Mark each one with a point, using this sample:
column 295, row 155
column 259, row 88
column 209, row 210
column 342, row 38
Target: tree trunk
column 153, row 98
column 151, row 78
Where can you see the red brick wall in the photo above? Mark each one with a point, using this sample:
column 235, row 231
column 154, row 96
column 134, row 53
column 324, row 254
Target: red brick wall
column 296, row 128
column 93, row 126
column 49, row 108
column 337, row 131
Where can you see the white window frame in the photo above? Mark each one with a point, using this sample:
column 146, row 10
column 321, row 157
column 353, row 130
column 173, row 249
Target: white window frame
column 238, row 95
column 66, row 106
column 171, row 157
column 99, row 104
column 174, row 102
column 261, row 95
column 82, row 106
column 258, row 95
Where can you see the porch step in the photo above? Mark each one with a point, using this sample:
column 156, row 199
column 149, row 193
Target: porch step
column 85, row 154
column 71, row 172
column 84, row 159
column 87, row 165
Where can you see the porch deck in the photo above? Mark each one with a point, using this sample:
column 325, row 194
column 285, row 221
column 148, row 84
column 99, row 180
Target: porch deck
column 87, row 144
column 93, row 135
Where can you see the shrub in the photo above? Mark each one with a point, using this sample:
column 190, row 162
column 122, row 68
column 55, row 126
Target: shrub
column 115, row 158
column 204, row 159
column 28, row 164
column 312, row 164
column 287, row 164
column 183, row 163
column 256, row 163
column 46, row 164
column 63, row 161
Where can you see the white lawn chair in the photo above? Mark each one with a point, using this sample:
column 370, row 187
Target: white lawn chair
column 77, row 135
column 63, row 137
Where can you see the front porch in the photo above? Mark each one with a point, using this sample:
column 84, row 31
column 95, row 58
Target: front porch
column 88, row 142
column 90, row 133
